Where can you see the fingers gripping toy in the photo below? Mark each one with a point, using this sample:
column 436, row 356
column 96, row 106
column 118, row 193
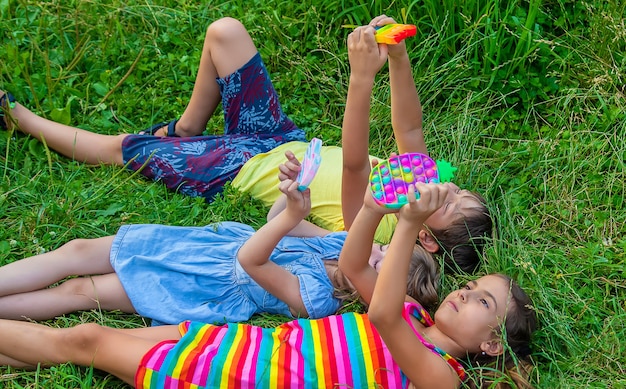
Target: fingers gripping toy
column 310, row 164
column 392, row 34
column 390, row 180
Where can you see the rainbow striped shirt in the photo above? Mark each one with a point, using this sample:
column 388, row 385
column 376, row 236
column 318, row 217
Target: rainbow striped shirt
column 343, row 351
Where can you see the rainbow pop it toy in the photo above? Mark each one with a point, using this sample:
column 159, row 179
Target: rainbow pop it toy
column 392, row 34
column 390, row 180
column 310, row 164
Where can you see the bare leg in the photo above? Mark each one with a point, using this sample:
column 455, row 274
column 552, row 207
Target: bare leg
column 116, row 351
column 77, row 294
column 77, row 257
column 75, row 143
column 227, row 47
column 24, row 284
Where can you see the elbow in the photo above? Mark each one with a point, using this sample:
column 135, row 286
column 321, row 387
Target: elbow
column 379, row 317
column 346, row 269
column 246, row 260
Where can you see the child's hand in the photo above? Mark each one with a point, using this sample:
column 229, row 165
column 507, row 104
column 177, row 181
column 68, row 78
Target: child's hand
column 368, row 200
column 373, row 206
column 396, row 50
column 298, row 202
column 366, row 57
column 290, row 169
column 432, row 197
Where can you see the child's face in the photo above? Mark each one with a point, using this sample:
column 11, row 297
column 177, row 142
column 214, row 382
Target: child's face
column 458, row 202
column 378, row 253
column 472, row 314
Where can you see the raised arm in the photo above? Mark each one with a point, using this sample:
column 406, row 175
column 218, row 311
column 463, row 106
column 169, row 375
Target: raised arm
column 366, row 58
column 354, row 257
column 406, row 109
column 385, row 310
column 254, row 255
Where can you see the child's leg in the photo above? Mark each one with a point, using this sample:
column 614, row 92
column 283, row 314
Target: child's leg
column 77, row 257
column 227, row 47
column 75, row 143
column 103, row 292
column 116, row 351
column 255, row 122
column 24, row 284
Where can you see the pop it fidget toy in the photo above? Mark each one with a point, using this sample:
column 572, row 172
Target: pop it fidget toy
column 310, row 164
column 392, row 34
column 390, row 180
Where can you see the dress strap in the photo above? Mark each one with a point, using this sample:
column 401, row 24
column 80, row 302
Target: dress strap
column 417, row 311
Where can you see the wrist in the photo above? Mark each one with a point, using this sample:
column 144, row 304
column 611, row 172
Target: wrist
column 361, row 81
column 398, row 56
column 408, row 227
column 373, row 212
column 292, row 217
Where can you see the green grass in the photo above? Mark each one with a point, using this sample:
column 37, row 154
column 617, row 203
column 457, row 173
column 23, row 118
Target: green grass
column 526, row 98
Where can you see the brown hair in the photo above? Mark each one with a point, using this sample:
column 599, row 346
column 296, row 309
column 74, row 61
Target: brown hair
column 422, row 282
column 512, row 368
column 462, row 243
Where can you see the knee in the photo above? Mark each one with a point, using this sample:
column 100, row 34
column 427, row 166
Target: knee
column 226, row 29
column 77, row 246
column 78, row 287
column 81, row 342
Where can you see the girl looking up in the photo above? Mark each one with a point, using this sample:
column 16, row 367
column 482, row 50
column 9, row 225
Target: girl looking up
column 487, row 323
column 257, row 133
column 458, row 231
column 231, row 72
column 217, row 273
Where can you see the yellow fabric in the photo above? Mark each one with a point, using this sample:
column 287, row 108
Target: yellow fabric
column 259, row 177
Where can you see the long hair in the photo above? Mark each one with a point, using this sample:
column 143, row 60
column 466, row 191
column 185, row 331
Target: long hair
column 511, row 369
column 462, row 243
column 423, row 280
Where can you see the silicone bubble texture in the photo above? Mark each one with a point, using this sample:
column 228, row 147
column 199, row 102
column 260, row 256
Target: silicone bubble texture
column 390, row 180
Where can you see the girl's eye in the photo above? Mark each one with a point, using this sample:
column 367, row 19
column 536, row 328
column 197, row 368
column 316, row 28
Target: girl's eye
column 484, row 302
column 467, row 287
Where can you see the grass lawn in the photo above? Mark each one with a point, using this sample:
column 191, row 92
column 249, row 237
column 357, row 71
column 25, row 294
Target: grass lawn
column 527, row 98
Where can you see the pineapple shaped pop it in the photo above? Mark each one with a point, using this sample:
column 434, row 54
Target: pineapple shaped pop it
column 390, row 180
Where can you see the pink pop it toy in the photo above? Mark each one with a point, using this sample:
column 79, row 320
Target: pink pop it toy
column 310, row 164
column 390, row 180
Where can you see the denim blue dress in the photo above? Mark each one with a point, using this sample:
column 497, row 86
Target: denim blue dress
column 172, row 274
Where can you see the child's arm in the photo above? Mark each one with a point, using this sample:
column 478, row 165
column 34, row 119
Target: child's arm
column 366, row 58
column 354, row 257
column 406, row 109
column 254, row 255
column 289, row 171
column 385, row 310
column 302, row 229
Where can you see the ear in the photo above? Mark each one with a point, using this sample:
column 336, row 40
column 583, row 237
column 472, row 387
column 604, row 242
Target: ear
column 428, row 242
column 492, row 347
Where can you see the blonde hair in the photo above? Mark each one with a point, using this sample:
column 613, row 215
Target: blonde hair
column 423, row 280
